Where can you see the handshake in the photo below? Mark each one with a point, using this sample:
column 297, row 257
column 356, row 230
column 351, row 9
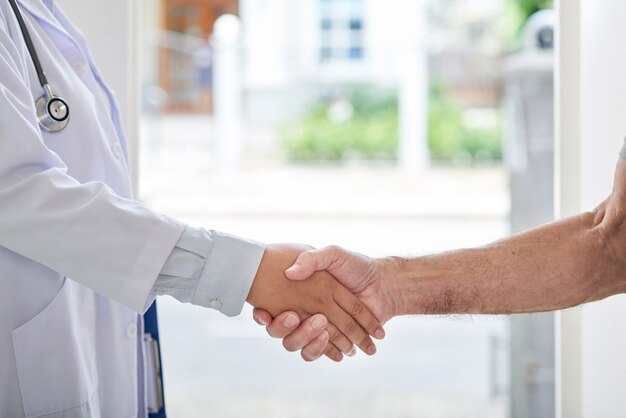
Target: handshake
column 344, row 298
column 324, row 301
column 339, row 297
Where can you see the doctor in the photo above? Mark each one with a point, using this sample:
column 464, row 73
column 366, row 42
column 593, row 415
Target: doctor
column 80, row 260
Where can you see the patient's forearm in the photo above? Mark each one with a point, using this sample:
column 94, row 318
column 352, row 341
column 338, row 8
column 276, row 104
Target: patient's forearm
column 553, row 267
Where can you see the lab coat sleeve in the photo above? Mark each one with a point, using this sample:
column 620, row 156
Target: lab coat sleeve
column 110, row 244
column 210, row 269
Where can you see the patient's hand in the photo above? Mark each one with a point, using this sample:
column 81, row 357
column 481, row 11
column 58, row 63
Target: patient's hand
column 321, row 294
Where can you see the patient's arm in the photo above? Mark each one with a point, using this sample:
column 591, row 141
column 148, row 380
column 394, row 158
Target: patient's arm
column 562, row 264
column 559, row 265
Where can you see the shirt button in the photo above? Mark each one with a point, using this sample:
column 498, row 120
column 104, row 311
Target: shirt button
column 117, row 150
column 131, row 331
column 216, row 304
column 79, row 67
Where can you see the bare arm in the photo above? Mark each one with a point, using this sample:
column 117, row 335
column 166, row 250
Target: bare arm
column 562, row 264
column 559, row 265
column 553, row 267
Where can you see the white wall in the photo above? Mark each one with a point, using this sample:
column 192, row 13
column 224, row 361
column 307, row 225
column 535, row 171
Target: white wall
column 603, row 110
column 568, row 124
column 112, row 31
column 152, row 17
column 598, row 334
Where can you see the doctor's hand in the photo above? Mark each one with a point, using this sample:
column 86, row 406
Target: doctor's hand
column 349, row 321
column 371, row 280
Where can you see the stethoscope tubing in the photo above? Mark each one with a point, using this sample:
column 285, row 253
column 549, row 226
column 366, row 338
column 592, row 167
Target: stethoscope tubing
column 53, row 113
column 43, row 80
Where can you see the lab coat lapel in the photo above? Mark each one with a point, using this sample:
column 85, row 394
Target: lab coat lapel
column 79, row 38
column 42, row 14
column 56, row 20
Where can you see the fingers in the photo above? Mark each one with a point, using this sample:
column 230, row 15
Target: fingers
column 311, row 261
column 355, row 308
column 307, row 333
column 351, row 329
column 315, row 336
column 340, row 341
column 333, row 353
column 284, row 325
column 262, row 317
column 316, row 348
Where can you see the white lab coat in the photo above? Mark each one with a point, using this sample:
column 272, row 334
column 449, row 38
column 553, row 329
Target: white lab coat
column 78, row 258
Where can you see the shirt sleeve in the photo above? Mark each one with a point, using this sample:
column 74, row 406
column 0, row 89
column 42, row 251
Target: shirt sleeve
column 210, row 269
column 622, row 153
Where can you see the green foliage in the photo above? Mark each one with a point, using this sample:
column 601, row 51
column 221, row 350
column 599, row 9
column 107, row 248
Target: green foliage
column 371, row 132
column 528, row 7
column 450, row 137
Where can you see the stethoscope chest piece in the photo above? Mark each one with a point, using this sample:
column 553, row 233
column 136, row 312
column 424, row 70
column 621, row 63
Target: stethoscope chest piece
column 53, row 112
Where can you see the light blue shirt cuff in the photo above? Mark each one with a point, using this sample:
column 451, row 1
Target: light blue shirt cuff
column 210, row 269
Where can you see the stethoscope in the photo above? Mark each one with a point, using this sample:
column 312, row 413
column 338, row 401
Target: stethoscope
column 53, row 112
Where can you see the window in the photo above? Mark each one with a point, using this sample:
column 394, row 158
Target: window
column 341, row 30
column 337, row 131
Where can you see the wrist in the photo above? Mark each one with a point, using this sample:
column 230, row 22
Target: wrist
column 424, row 285
column 392, row 279
column 258, row 292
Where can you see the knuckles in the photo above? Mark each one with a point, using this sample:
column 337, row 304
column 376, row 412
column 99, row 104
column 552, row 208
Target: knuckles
column 352, row 327
column 333, row 249
column 357, row 307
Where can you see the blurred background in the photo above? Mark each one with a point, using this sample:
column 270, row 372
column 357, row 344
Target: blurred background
column 385, row 126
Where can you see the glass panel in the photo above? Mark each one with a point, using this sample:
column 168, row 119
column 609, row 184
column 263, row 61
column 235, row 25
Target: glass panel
column 355, row 53
column 356, row 24
column 297, row 128
column 347, row 21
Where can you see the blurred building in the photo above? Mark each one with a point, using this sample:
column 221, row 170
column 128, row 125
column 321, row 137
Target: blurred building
column 178, row 53
column 296, row 53
column 290, row 48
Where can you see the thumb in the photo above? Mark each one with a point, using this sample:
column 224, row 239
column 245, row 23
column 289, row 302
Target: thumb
column 308, row 263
